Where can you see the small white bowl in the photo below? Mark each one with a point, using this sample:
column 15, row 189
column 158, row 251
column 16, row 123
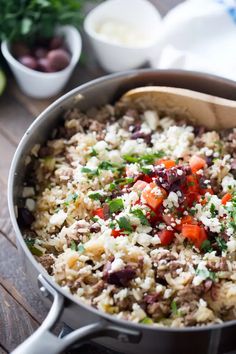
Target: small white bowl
column 140, row 14
column 43, row 85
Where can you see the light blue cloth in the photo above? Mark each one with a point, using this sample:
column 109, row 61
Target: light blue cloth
column 199, row 35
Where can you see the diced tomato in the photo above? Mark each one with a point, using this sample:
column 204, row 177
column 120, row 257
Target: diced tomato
column 153, row 216
column 190, row 198
column 153, row 195
column 147, row 178
column 167, row 163
column 139, row 185
column 116, row 233
column 226, row 198
column 187, row 219
column 168, row 219
column 192, row 184
column 99, row 212
column 203, row 191
column 166, row 237
column 194, row 233
column 202, row 238
column 196, row 163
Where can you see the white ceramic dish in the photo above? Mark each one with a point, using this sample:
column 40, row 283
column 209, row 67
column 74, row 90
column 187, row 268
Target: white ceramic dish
column 42, row 85
column 140, row 14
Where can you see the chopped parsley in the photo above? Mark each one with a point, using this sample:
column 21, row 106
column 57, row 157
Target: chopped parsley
column 30, row 242
column 112, row 187
column 139, row 214
column 124, row 224
column 96, row 196
column 90, row 172
column 124, row 181
column 206, row 246
column 147, row 158
column 93, row 152
column 146, row 320
column 116, row 205
column 221, row 244
column 73, row 246
column 71, row 198
column 105, row 165
column 174, row 308
column 213, row 210
column 146, row 170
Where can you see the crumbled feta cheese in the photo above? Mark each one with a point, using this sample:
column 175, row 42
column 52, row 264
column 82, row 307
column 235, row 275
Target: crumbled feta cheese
column 228, row 183
column 58, row 218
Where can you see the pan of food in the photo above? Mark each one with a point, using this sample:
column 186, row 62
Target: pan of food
column 122, row 195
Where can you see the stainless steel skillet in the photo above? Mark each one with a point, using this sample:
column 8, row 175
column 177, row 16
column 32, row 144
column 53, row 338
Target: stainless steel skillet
column 89, row 323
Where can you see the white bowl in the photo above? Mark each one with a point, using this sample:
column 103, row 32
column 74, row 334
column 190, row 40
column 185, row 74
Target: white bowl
column 39, row 84
column 140, row 14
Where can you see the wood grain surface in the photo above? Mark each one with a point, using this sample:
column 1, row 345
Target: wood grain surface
column 21, row 310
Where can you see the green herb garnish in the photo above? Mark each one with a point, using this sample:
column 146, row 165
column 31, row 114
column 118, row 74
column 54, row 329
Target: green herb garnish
column 116, row 205
column 146, row 320
column 90, row 172
column 146, row 170
column 124, row 181
column 213, row 210
column 221, row 244
column 206, row 246
column 96, row 196
column 112, row 187
column 148, row 158
column 124, row 224
column 174, row 308
column 31, row 246
column 73, row 245
column 93, row 152
column 105, row 165
column 70, row 198
column 139, row 214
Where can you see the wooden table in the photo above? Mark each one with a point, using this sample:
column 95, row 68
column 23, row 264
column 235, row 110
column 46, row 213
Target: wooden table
column 21, row 310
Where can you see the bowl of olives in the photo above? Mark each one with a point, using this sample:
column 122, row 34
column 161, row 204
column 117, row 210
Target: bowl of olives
column 43, row 68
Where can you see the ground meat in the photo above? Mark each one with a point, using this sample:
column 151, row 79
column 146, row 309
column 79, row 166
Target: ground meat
column 47, row 262
column 74, row 285
column 159, row 309
column 189, row 293
column 45, row 151
column 220, row 265
column 126, row 303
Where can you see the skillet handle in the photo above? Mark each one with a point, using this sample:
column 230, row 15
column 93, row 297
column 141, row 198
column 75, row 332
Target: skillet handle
column 43, row 341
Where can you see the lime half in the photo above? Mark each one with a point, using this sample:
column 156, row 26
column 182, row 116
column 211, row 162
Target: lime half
column 2, row 81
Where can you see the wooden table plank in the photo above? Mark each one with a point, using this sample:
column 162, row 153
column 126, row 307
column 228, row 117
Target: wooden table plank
column 15, row 323
column 15, row 281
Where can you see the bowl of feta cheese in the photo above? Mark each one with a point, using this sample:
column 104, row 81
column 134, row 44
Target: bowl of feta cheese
column 123, row 33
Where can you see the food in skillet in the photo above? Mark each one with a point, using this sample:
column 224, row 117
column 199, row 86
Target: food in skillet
column 136, row 215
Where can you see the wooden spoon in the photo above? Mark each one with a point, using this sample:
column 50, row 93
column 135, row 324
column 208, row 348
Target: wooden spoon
column 198, row 108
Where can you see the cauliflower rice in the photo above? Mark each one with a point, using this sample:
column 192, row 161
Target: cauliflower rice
column 135, row 214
